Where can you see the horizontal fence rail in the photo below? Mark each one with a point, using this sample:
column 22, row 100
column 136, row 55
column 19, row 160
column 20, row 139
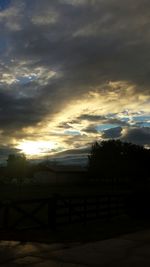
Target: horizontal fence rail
column 60, row 210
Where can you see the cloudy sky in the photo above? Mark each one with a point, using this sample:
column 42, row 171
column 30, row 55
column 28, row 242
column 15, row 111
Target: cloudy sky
column 72, row 72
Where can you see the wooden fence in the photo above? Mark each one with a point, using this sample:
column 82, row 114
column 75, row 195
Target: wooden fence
column 60, row 210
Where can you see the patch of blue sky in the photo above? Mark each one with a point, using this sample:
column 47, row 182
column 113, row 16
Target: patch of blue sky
column 69, row 132
column 103, row 127
column 27, row 78
column 4, row 4
column 144, row 124
column 115, row 116
column 141, row 118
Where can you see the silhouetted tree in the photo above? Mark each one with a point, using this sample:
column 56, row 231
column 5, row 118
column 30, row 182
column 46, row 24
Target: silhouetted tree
column 17, row 167
column 116, row 161
column 127, row 164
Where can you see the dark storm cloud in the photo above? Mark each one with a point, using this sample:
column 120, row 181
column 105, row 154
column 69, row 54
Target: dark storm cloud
column 90, row 117
column 64, row 125
column 87, row 43
column 140, row 136
column 116, row 121
column 101, row 119
column 16, row 113
column 112, row 133
column 90, row 129
column 90, row 43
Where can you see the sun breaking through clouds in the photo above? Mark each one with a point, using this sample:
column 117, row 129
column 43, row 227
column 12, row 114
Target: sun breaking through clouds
column 72, row 72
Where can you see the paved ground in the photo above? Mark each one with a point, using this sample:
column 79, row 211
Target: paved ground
column 124, row 251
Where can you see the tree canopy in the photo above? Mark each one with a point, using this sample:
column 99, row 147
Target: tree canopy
column 16, row 166
column 118, row 160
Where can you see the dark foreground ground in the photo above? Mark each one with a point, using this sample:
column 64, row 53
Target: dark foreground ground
column 126, row 250
column 92, row 231
column 121, row 241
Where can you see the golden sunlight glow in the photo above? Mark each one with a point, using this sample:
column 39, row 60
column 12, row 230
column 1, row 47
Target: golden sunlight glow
column 98, row 101
column 35, row 148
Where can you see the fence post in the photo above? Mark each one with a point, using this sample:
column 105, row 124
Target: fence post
column 52, row 205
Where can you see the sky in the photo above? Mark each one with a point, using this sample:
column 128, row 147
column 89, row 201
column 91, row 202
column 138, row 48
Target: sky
column 73, row 72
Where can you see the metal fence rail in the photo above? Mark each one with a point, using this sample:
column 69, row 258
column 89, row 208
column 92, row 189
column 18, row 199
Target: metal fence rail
column 60, row 210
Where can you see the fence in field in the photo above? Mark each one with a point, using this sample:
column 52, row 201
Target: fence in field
column 60, row 210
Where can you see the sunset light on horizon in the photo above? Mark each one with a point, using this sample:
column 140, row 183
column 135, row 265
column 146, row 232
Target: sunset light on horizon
column 35, row 148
